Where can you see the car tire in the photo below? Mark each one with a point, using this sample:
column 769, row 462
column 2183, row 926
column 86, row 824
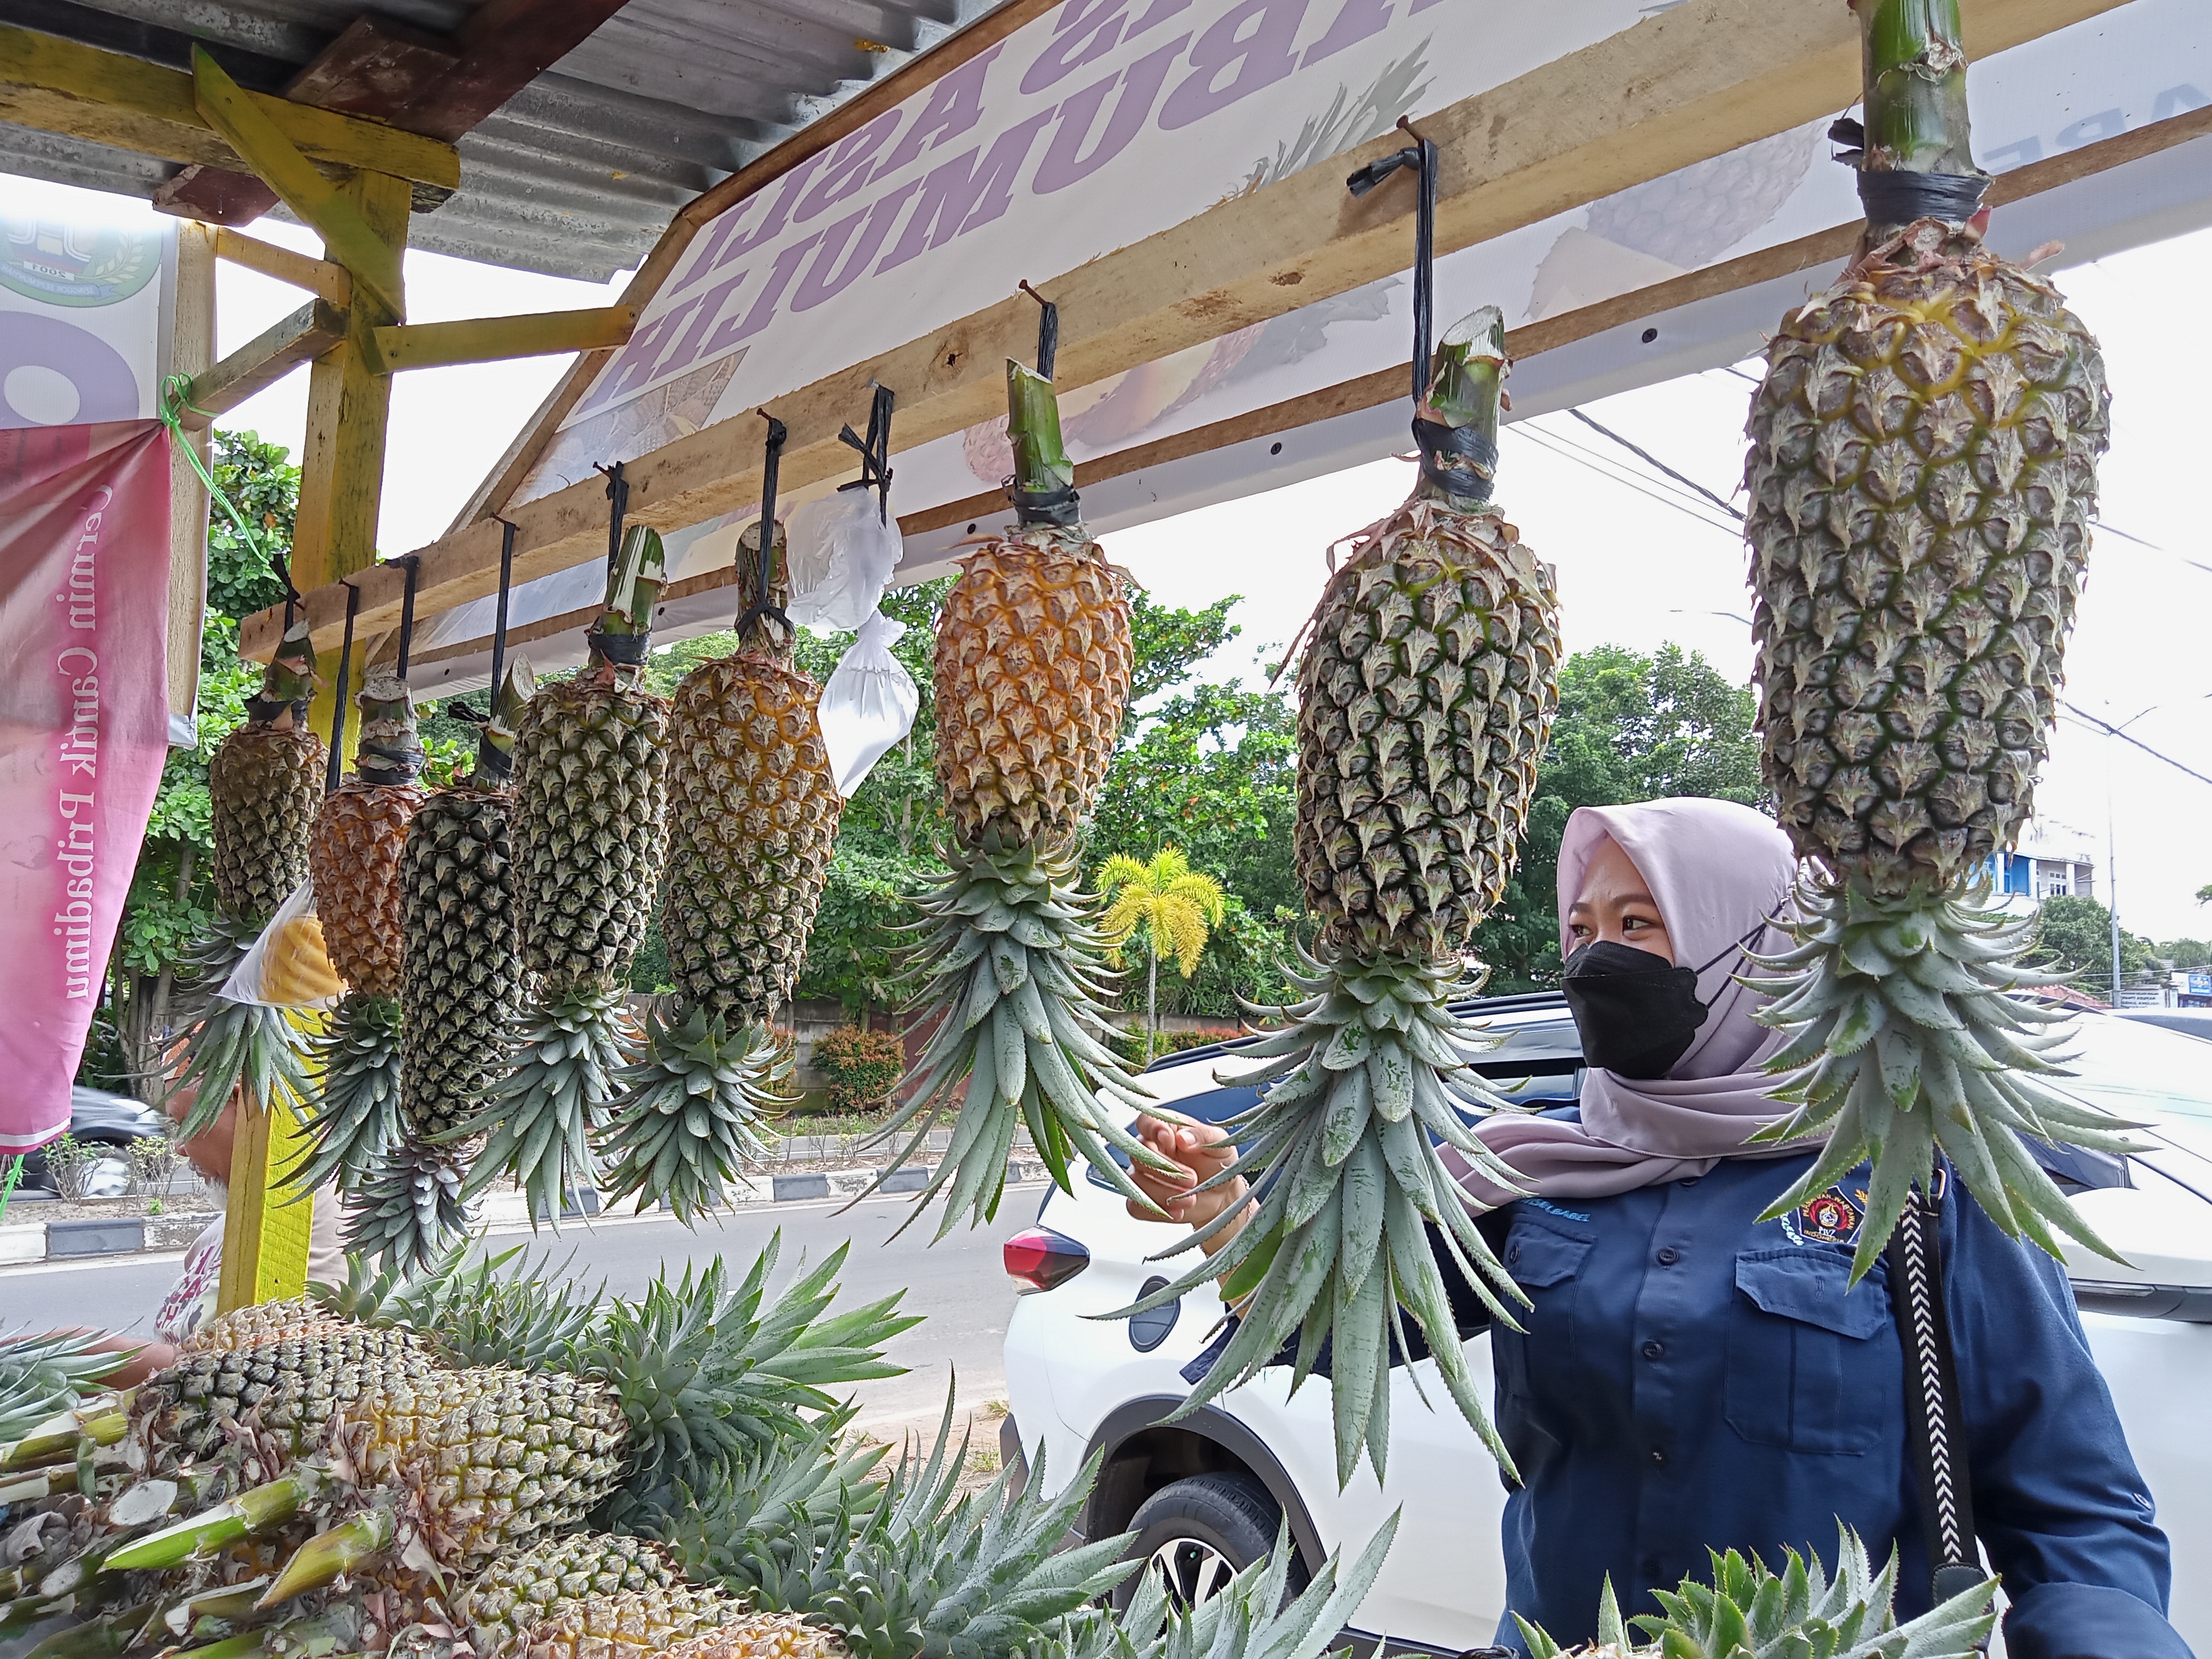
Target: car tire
column 1201, row 1531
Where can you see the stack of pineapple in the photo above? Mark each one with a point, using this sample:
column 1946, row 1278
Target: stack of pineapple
column 265, row 787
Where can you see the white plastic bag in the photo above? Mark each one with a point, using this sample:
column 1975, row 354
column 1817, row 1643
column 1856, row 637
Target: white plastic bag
column 840, row 555
column 869, row 703
column 288, row 967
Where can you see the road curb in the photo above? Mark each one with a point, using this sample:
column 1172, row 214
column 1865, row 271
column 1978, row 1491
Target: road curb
column 28, row 1243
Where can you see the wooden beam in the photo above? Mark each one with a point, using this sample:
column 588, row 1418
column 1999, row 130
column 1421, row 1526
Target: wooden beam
column 191, row 349
column 372, row 262
column 1691, row 82
column 342, row 462
column 81, row 92
column 262, row 362
column 490, row 339
column 321, row 277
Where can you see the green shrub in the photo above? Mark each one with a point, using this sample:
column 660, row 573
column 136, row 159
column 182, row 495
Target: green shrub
column 861, row 1067
column 1132, row 1043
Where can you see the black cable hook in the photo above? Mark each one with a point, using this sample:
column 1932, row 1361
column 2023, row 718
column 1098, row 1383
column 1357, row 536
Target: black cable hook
column 875, row 451
column 762, row 607
column 282, row 566
column 619, row 496
column 499, row 620
column 414, row 563
column 1048, row 332
column 335, row 764
column 1421, row 156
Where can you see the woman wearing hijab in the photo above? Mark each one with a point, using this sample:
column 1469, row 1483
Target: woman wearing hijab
column 1690, row 1377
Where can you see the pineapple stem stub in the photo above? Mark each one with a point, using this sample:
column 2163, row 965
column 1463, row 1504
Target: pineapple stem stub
column 1043, row 488
column 624, row 629
column 1918, row 160
column 289, row 681
column 495, row 742
column 1456, row 426
column 390, row 751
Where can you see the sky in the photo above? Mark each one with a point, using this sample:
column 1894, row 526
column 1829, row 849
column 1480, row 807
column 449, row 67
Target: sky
column 1641, row 563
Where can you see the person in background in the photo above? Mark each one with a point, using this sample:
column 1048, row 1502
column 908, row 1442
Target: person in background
column 1689, row 1376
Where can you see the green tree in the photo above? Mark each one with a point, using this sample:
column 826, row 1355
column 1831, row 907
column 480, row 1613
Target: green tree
column 1167, row 907
column 2184, row 952
column 1632, row 727
column 2074, row 935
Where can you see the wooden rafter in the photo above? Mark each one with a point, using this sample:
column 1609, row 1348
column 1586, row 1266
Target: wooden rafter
column 82, row 92
column 262, row 362
column 1695, row 81
column 490, row 339
column 326, row 281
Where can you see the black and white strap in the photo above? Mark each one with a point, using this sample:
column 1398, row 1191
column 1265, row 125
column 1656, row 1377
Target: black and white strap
column 1933, row 1419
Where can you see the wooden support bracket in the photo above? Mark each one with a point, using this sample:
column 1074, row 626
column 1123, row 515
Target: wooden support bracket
column 489, row 339
column 373, row 263
column 262, row 362
column 82, row 92
column 321, row 277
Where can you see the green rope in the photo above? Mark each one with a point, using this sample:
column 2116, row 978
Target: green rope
column 174, row 404
column 8, row 1185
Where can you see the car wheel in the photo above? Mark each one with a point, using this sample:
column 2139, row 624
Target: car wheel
column 1198, row 1534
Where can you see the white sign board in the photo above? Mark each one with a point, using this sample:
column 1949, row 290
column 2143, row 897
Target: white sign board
column 83, row 334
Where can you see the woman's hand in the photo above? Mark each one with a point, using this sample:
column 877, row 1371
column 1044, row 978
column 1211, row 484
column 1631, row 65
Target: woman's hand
column 1203, row 1151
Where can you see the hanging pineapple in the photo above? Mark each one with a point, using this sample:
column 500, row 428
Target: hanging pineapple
column 1424, row 695
column 1923, row 473
column 353, row 857
column 588, row 825
column 1032, row 672
column 264, row 786
column 461, row 981
column 754, row 806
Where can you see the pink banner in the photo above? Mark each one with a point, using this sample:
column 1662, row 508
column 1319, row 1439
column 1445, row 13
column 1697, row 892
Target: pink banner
column 84, row 583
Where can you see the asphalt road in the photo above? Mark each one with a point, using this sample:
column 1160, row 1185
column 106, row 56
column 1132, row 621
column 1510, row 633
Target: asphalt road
column 959, row 1284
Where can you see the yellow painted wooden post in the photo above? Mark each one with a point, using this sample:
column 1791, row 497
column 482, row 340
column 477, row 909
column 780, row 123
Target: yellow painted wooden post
column 264, row 1239
column 191, row 349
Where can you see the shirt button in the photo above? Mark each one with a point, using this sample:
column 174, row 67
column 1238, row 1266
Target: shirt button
column 1668, row 1256
column 1513, row 1255
column 1688, row 1181
column 1653, row 1349
column 1659, row 1456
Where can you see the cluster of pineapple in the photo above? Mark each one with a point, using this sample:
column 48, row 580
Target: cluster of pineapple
column 470, row 1463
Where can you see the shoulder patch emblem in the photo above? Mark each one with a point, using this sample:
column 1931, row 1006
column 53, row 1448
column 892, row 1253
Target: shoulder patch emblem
column 1833, row 1218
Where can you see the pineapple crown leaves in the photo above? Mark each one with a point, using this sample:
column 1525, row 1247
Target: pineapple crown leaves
column 1247, row 1618
column 926, row 1573
column 703, row 1371
column 1908, row 1037
column 241, row 1046
column 408, row 1211
column 694, row 1111
column 1749, row 1611
column 749, row 1526
column 43, row 1374
column 356, row 1115
column 1012, row 953
column 534, row 1318
column 542, row 1116
column 1350, row 1199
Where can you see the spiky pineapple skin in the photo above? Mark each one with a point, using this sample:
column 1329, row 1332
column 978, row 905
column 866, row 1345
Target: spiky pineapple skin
column 355, row 858
column 636, row 1624
column 520, row 1590
column 589, row 826
column 265, row 788
column 296, row 1384
column 1033, row 663
column 754, row 809
column 461, row 969
column 1426, row 695
column 1922, row 474
column 763, row 1636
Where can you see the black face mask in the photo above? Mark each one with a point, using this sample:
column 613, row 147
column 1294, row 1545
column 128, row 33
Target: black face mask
column 1637, row 1011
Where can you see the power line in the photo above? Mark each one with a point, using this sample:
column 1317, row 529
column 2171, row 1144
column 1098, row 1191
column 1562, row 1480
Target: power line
column 1540, row 440
column 1650, row 460
column 2113, row 731
column 1617, row 468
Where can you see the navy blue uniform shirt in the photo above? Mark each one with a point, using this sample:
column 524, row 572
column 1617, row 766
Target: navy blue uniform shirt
column 1691, row 1377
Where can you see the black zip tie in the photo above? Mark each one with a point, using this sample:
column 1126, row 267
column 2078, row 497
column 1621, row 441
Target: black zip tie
column 282, row 566
column 499, row 620
column 339, row 705
column 1421, row 156
column 1048, row 332
column 875, row 452
column 414, row 563
column 761, row 609
column 619, row 494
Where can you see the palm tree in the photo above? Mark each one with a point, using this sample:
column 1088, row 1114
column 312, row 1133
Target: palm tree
column 1174, row 906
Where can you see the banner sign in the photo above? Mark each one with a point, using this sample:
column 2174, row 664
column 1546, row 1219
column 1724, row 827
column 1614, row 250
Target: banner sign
column 83, row 328
column 84, row 728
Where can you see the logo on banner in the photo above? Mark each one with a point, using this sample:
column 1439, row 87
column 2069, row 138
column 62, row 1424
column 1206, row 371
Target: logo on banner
column 76, row 265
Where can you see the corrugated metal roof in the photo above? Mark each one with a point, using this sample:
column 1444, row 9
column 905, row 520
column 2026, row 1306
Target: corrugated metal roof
column 579, row 171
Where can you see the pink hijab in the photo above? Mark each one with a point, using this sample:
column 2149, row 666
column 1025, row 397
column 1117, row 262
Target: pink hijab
column 1716, row 871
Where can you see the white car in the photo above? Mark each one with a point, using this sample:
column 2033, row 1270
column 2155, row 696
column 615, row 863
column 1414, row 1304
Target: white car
column 1207, row 1495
